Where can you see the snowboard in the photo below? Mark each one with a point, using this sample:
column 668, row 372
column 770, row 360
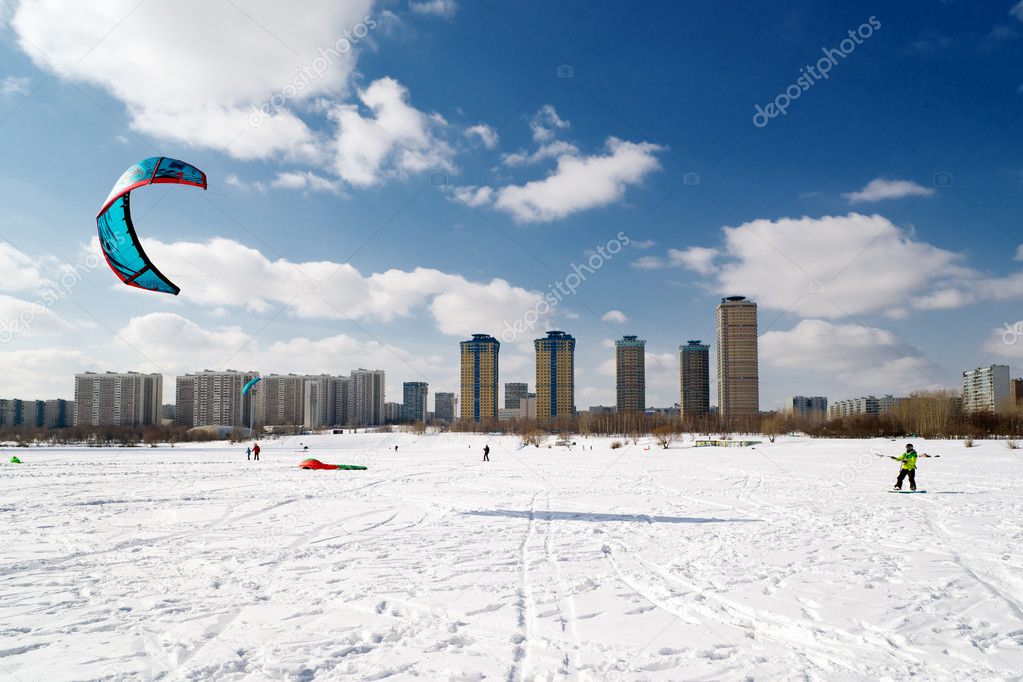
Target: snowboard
column 907, row 492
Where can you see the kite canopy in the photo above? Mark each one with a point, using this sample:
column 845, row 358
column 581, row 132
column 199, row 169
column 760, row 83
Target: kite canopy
column 248, row 386
column 117, row 236
column 317, row 464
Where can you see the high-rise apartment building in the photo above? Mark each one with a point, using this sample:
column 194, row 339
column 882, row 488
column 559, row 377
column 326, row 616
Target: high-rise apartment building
column 630, row 374
column 414, row 396
column 694, row 379
column 444, row 407
column 738, row 364
column 986, row 389
column 865, row 405
column 1016, row 394
column 325, row 401
column 392, row 413
column 555, row 376
column 513, row 393
column 366, row 397
column 41, row 414
column 214, row 398
column 813, row 407
column 118, row 399
column 479, row 364
column 280, row 400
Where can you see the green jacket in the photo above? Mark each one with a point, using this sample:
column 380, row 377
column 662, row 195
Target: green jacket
column 908, row 460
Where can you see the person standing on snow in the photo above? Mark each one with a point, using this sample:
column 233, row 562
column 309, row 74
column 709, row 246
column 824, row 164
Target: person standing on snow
column 255, row 452
column 486, row 453
column 908, row 459
column 248, row 453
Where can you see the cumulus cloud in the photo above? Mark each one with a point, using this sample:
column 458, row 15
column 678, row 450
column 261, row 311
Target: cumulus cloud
column 550, row 150
column 615, row 316
column 580, row 183
column 880, row 189
column 832, row 266
column 854, row 356
column 206, row 94
column 473, row 197
column 649, row 263
column 305, row 181
column 944, row 299
column 1019, row 252
column 393, row 139
column 482, row 134
column 13, row 85
column 697, row 258
column 42, row 373
column 1017, row 10
column 642, row 244
column 436, row 8
column 331, row 290
column 546, row 124
column 22, row 272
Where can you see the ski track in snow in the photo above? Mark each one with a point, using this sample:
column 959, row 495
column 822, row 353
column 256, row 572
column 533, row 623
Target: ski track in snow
column 788, row 561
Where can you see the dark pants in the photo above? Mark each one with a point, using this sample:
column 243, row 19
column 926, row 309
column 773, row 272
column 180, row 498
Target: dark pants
column 255, row 457
column 912, row 479
column 486, row 456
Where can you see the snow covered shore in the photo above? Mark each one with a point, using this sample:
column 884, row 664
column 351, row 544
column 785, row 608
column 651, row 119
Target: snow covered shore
column 790, row 560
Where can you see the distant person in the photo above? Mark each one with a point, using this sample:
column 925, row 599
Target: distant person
column 395, row 448
column 486, row 453
column 908, row 459
column 255, row 452
column 248, row 453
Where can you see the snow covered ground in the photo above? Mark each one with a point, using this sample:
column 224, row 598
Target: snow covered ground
column 790, row 560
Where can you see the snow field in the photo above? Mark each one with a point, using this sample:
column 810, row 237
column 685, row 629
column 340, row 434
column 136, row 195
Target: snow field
column 790, row 560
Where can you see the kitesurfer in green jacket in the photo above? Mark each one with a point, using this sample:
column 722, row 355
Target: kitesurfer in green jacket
column 908, row 459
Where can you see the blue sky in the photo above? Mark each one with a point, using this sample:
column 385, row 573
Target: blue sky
column 451, row 161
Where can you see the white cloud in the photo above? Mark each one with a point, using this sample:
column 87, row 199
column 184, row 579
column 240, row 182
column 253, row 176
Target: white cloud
column 642, row 244
column 1019, row 252
column 306, row 181
column 13, row 85
column 235, row 60
column 580, row 183
column 615, row 316
column 41, row 373
column 944, row 299
column 832, row 266
column 546, row 124
column 395, row 140
column 473, row 197
column 550, row 150
column 330, row 290
column 22, row 272
column 698, row 258
column 1006, row 341
column 483, row 134
column 437, row 8
column 649, row 263
column 1017, row 10
column 880, row 189
column 853, row 356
